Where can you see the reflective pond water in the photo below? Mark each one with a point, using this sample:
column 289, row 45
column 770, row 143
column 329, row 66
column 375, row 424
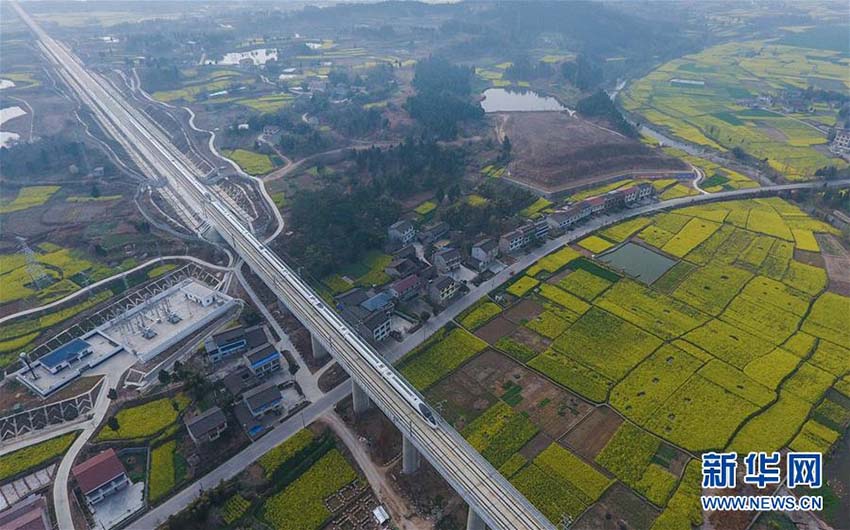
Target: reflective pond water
column 506, row 100
column 638, row 262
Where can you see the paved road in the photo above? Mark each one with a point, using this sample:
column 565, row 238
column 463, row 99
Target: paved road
column 61, row 481
column 246, row 457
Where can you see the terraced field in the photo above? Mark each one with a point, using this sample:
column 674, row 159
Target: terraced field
column 703, row 99
column 739, row 345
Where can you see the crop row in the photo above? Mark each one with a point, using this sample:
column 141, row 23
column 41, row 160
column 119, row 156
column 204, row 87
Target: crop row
column 300, row 506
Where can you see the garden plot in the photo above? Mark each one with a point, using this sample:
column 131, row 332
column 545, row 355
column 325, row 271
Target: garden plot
column 583, row 284
column 690, row 236
column 499, row 432
column 700, row 415
column 426, row 367
column 806, row 278
column 830, row 318
column 522, row 311
column 593, row 432
column 619, row 505
column 774, row 427
column 729, row 343
column 761, row 319
column 648, row 309
column 648, row 386
column 494, row 330
column 606, row 343
column 837, row 260
column 711, row 287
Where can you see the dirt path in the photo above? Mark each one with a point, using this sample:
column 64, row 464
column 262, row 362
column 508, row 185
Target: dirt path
column 403, row 515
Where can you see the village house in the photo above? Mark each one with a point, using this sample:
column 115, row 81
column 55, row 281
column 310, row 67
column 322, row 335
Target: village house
column 484, row 253
column 447, row 260
column 402, row 232
column 406, row 288
column 207, row 427
column 234, row 341
column 442, row 290
column 100, row 476
column 262, row 360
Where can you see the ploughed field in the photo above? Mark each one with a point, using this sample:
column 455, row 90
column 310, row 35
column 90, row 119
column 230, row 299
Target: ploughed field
column 553, row 151
column 594, row 391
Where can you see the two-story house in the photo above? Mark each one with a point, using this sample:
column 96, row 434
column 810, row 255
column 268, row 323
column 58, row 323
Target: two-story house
column 402, row 232
column 207, row 427
column 262, row 360
column 447, row 260
column 484, row 253
column 442, row 290
column 100, row 476
column 406, row 288
column 234, row 341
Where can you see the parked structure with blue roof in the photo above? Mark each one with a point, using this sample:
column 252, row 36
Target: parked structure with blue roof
column 65, row 355
column 263, row 360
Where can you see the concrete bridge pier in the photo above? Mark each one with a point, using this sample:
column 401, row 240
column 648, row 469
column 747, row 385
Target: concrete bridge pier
column 474, row 521
column 409, row 457
column 362, row 403
column 320, row 353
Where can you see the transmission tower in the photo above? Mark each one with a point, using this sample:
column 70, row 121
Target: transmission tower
column 37, row 273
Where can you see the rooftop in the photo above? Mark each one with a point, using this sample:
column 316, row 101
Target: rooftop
column 379, row 301
column 206, row 422
column 402, row 226
column 262, row 395
column 229, row 335
column 486, row 245
column 65, row 352
column 97, row 470
column 263, row 352
column 448, row 254
column 197, row 290
column 443, row 281
column 405, row 283
column 28, row 514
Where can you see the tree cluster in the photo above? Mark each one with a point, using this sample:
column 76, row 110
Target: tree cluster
column 51, row 154
column 599, row 105
column 442, row 98
column 410, row 167
column 582, row 73
column 333, row 227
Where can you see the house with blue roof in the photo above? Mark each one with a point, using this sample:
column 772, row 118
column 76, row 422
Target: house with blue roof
column 263, row 360
column 66, row 355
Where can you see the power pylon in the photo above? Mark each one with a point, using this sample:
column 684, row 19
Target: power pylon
column 36, row 271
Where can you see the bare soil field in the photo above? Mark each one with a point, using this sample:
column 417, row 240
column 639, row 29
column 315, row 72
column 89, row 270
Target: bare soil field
column 618, row 509
column 462, row 396
column 591, row 435
column 495, row 330
column 555, row 152
column 837, row 261
column 525, row 310
column 531, row 339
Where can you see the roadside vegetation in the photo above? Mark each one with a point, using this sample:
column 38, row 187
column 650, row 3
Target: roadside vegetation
column 35, row 456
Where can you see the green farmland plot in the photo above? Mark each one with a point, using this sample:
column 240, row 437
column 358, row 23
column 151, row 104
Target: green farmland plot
column 736, row 346
column 712, row 114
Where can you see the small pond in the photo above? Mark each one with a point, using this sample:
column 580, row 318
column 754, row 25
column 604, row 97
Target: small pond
column 638, row 262
column 506, row 100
